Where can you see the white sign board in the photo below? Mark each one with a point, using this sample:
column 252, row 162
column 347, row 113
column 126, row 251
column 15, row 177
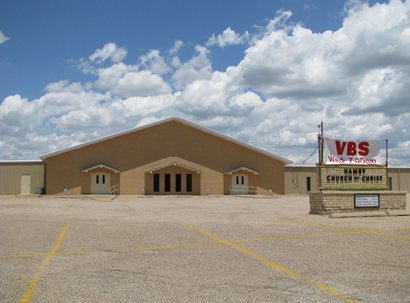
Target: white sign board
column 352, row 152
column 366, row 200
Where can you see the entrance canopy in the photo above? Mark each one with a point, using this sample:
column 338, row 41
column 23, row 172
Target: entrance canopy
column 242, row 169
column 156, row 168
column 99, row 166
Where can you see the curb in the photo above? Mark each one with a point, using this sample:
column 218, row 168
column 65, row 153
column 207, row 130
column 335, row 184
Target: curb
column 387, row 213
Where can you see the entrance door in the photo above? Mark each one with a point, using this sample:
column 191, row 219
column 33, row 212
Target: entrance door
column 240, row 180
column 100, row 183
column 25, row 188
column 239, row 184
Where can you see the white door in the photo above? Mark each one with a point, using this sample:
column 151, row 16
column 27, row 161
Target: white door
column 100, row 183
column 25, row 188
column 240, row 180
column 239, row 184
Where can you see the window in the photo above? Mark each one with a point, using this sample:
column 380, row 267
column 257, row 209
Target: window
column 237, row 179
column 167, row 183
column 97, row 179
column 243, row 180
column 156, row 182
column 103, row 178
column 308, row 185
column 189, row 183
column 390, row 183
column 178, row 183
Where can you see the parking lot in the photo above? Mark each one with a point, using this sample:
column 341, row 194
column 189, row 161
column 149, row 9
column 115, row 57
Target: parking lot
column 197, row 249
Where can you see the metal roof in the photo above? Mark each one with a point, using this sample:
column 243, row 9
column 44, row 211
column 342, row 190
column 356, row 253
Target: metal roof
column 35, row 161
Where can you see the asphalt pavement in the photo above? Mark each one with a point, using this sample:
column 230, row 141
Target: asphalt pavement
column 197, row 249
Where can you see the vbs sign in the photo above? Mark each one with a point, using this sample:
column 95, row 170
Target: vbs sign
column 352, row 152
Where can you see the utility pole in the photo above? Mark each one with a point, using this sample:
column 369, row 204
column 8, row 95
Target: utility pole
column 387, row 152
column 320, row 142
column 387, row 165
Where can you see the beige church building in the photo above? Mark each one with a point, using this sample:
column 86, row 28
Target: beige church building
column 169, row 157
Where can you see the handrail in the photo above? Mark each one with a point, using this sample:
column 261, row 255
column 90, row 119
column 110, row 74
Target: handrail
column 243, row 190
column 115, row 190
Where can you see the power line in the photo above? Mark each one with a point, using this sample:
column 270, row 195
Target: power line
column 300, row 163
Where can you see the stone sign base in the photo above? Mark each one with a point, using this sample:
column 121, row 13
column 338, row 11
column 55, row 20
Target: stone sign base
column 326, row 202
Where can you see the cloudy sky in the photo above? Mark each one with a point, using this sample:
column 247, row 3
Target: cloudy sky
column 264, row 72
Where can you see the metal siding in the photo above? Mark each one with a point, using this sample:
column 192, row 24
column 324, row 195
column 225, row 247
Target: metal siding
column 10, row 177
column 296, row 177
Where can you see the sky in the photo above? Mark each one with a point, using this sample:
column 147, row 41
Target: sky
column 264, row 72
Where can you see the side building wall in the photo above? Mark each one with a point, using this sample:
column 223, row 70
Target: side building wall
column 399, row 179
column 21, row 177
column 300, row 180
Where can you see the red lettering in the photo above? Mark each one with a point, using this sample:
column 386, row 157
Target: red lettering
column 363, row 148
column 340, row 147
column 335, row 159
column 351, row 148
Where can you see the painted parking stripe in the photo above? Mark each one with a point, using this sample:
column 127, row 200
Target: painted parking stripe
column 273, row 264
column 68, row 207
column 127, row 206
column 188, row 245
column 31, row 286
column 382, row 234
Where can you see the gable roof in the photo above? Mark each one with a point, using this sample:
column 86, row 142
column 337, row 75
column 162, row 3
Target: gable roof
column 176, row 119
column 241, row 169
column 86, row 170
column 159, row 167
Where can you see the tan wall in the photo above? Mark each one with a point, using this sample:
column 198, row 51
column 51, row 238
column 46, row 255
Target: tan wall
column 296, row 179
column 130, row 153
column 400, row 178
column 10, row 177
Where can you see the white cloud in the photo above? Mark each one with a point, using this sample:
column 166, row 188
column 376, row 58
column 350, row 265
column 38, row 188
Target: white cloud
column 198, row 67
column 351, row 6
column 175, row 49
column 13, row 111
column 109, row 51
column 154, row 62
column 382, row 90
column 279, row 22
column 142, row 83
column 173, row 52
column 207, row 97
column 3, row 37
column 228, row 37
column 148, row 105
column 301, row 64
column 126, row 80
column 247, row 100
